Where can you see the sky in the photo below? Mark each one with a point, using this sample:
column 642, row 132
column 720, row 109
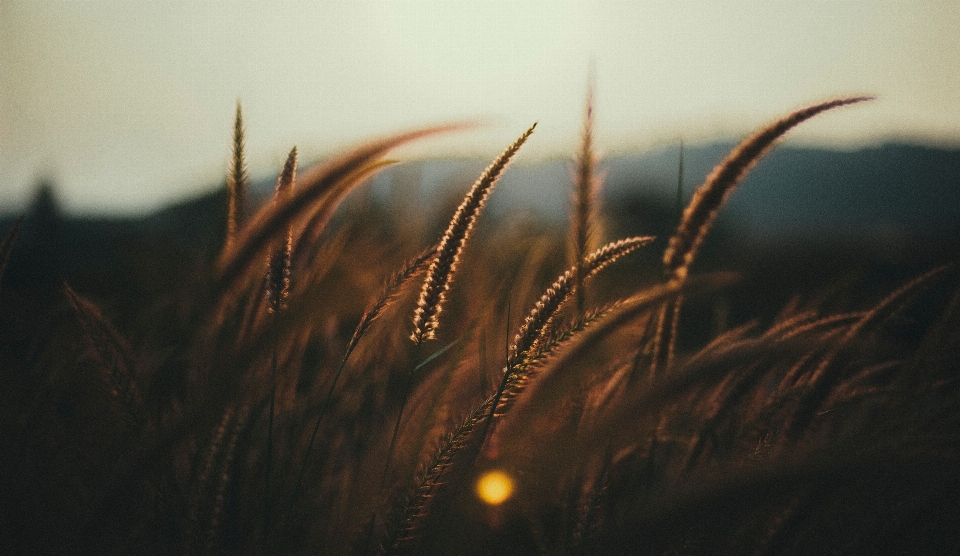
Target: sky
column 127, row 105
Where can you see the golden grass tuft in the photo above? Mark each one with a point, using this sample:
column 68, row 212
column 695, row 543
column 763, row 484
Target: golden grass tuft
column 426, row 318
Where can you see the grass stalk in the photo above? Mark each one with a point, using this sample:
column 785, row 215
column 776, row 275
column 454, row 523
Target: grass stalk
column 313, row 186
column 236, row 181
column 277, row 282
column 585, row 186
column 426, row 318
column 704, row 207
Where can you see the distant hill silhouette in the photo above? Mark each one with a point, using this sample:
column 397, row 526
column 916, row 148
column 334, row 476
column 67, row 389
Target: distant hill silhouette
column 890, row 198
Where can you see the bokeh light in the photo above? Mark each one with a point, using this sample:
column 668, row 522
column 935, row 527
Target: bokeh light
column 495, row 487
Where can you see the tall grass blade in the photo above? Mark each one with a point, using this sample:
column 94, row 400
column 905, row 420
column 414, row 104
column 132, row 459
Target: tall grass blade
column 710, row 196
column 311, row 231
column 680, row 185
column 417, row 512
column 535, row 333
column 554, row 378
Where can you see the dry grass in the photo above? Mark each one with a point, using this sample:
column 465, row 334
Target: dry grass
column 298, row 384
column 426, row 318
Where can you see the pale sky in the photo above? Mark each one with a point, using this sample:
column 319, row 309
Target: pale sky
column 128, row 104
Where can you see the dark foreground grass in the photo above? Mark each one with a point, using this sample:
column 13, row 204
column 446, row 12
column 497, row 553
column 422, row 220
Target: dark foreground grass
column 264, row 398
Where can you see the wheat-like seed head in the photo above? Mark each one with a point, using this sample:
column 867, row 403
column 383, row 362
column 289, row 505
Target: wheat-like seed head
column 706, row 202
column 585, row 186
column 416, row 511
column 703, row 208
column 315, row 184
column 533, row 330
column 521, row 374
column 444, row 265
column 236, row 180
column 278, row 262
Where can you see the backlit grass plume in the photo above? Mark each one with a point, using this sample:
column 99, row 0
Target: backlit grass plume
column 278, row 264
column 236, row 180
column 586, row 184
column 709, row 197
column 311, row 195
column 704, row 206
column 535, row 328
column 444, row 265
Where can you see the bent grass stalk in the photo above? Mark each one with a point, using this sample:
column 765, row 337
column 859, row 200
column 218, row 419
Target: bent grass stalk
column 536, row 326
column 704, row 207
column 535, row 331
column 512, row 380
column 310, row 232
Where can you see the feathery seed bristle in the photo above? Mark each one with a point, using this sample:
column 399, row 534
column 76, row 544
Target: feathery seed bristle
column 236, row 180
column 278, row 262
column 444, row 265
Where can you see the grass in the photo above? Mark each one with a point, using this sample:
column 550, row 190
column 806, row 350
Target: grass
column 286, row 407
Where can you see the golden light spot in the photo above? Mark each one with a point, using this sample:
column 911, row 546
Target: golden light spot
column 494, row 487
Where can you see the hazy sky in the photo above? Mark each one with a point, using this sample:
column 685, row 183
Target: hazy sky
column 128, row 104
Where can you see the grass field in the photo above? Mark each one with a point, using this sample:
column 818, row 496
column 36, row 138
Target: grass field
column 314, row 375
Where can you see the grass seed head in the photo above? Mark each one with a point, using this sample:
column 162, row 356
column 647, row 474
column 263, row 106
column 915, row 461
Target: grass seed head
column 444, row 265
